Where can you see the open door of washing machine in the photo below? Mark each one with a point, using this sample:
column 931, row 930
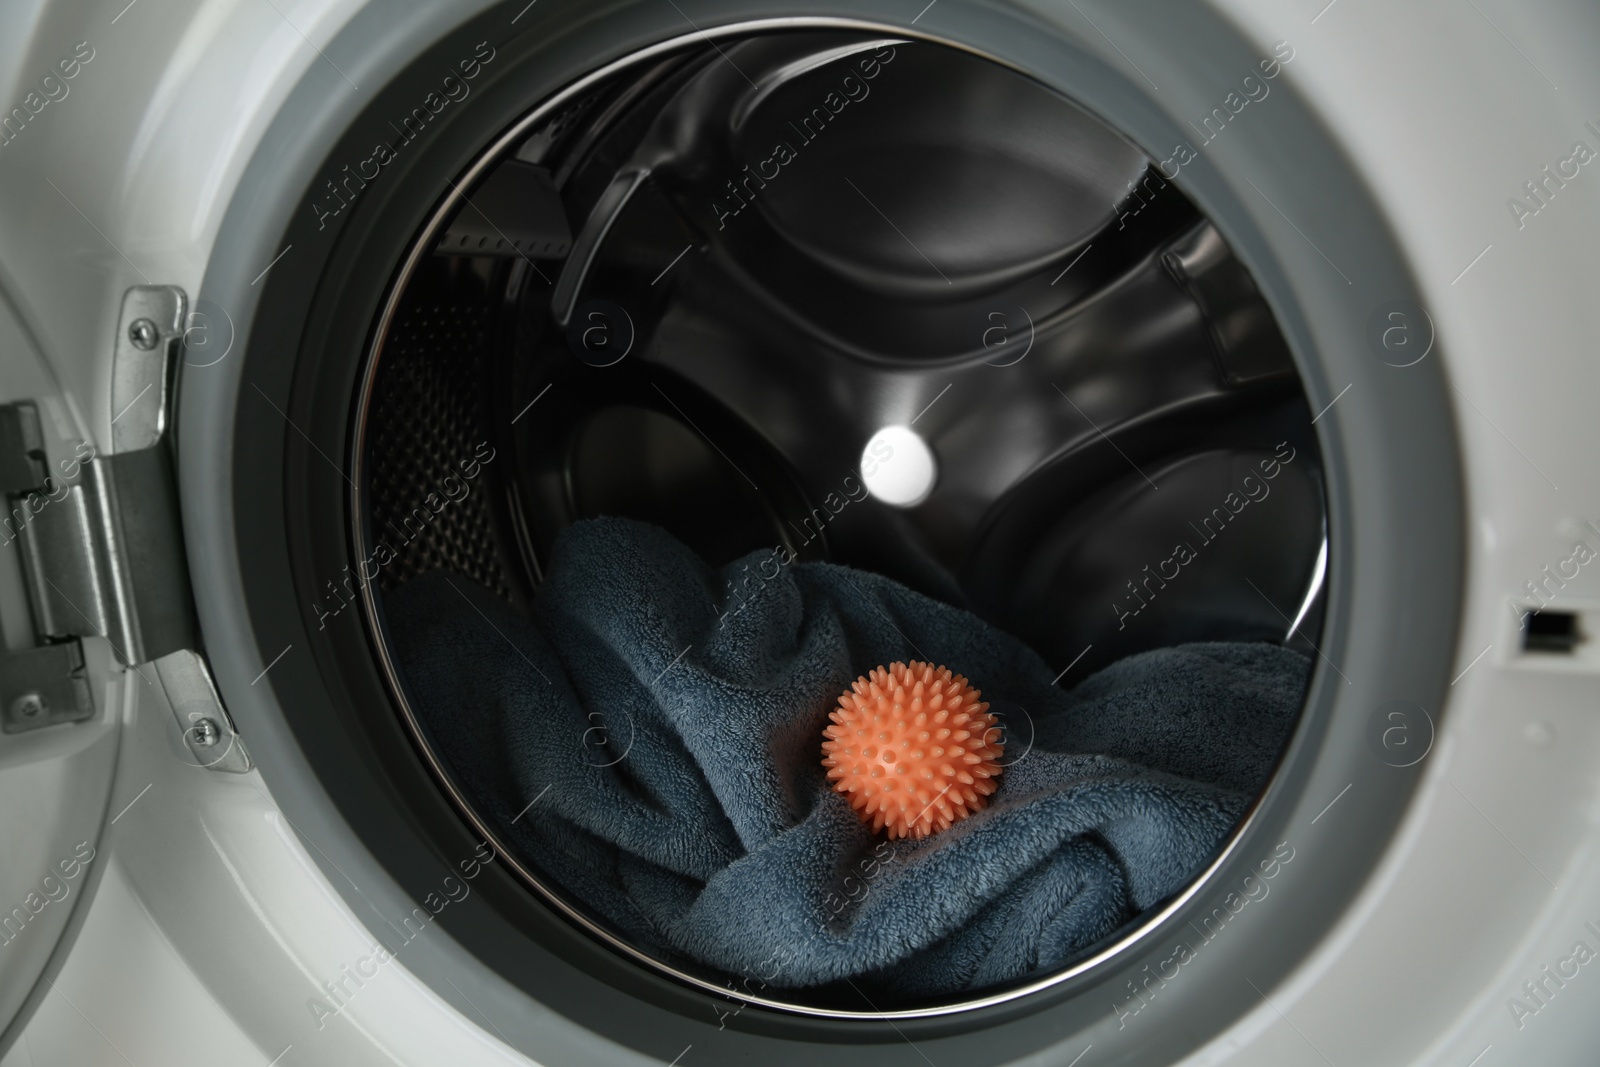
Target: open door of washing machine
column 455, row 603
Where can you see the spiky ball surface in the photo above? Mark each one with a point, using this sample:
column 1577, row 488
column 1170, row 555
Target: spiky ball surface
column 913, row 748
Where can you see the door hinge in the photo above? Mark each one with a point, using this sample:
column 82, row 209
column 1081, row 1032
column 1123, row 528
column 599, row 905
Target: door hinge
column 103, row 556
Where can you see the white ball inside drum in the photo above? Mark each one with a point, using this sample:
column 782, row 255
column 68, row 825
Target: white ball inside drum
column 897, row 467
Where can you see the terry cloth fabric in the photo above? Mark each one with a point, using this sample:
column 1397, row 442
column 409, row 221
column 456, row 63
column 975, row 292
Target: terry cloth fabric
column 664, row 721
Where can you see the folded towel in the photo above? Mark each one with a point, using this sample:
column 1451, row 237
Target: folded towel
column 665, row 720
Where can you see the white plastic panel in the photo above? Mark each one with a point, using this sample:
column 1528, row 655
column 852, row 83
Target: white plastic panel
column 1449, row 109
column 213, row 937
column 212, row 930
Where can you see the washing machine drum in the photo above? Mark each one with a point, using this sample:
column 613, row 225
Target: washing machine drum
column 704, row 308
column 710, row 308
column 822, row 295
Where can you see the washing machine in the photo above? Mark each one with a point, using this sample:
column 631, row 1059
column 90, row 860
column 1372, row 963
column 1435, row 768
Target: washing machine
column 302, row 301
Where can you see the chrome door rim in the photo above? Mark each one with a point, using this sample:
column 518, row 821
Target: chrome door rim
column 372, row 616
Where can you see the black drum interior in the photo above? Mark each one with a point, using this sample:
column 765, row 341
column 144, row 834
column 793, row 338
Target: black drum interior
column 699, row 288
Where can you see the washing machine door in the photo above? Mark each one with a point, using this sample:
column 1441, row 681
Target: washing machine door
column 228, row 841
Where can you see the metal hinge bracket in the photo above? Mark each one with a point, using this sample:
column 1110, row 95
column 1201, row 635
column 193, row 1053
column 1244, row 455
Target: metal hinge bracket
column 103, row 555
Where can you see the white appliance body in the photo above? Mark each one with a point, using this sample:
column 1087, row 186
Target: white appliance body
column 199, row 924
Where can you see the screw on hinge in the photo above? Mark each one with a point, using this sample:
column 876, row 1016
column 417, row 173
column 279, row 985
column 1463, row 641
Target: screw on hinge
column 206, row 732
column 144, row 334
column 29, row 706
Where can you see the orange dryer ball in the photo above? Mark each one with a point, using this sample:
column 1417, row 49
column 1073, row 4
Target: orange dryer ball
column 913, row 749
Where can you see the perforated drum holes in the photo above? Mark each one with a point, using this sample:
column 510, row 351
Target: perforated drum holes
column 601, row 333
column 1400, row 333
column 1400, row 732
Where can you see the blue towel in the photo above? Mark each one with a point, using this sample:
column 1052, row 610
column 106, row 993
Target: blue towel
column 664, row 721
